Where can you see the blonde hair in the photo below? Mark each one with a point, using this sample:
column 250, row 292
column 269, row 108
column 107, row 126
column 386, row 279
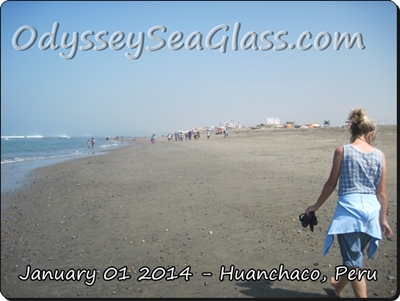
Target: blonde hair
column 361, row 124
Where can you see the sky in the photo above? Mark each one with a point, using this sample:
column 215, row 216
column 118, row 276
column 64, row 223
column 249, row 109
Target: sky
column 135, row 68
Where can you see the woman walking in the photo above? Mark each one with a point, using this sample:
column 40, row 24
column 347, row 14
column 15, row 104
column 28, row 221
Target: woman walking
column 360, row 215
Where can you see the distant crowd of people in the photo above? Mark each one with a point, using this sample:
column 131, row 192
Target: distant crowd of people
column 180, row 136
column 177, row 136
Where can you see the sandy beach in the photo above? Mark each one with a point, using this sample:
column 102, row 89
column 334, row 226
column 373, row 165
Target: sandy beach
column 172, row 219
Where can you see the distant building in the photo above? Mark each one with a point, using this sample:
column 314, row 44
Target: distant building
column 231, row 125
column 273, row 121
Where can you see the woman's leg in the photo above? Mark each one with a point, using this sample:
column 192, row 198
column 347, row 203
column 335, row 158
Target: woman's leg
column 352, row 247
column 359, row 287
column 339, row 285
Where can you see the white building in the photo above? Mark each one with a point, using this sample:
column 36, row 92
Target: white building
column 273, row 121
column 231, row 125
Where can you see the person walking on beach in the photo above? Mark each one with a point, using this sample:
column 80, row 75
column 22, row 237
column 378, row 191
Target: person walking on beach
column 92, row 141
column 226, row 133
column 153, row 138
column 208, row 134
column 360, row 216
column 88, row 143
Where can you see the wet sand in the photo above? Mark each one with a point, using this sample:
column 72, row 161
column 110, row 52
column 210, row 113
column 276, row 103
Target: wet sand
column 181, row 209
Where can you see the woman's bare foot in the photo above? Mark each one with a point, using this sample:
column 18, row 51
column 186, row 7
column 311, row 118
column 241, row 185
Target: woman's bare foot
column 334, row 284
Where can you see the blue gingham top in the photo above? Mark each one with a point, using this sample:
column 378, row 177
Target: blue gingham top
column 358, row 207
column 360, row 172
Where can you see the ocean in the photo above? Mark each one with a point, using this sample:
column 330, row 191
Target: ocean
column 22, row 154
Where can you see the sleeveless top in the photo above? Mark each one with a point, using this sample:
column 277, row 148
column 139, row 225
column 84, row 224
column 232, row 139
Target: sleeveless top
column 360, row 172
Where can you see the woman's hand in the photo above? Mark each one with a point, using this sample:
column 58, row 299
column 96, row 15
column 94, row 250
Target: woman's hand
column 311, row 208
column 387, row 231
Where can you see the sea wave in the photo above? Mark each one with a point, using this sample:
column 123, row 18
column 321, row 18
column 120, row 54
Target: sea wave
column 21, row 137
column 33, row 137
column 33, row 158
column 108, row 145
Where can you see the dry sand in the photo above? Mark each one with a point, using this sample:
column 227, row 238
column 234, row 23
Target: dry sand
column 196, row 206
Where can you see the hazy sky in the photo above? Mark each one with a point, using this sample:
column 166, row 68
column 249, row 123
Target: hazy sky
column 238, row 61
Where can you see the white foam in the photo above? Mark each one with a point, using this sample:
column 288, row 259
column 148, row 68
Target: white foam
column 12, row 137
column 108, row 145
column 34, row 158
column 5, row 161
column 21, row 137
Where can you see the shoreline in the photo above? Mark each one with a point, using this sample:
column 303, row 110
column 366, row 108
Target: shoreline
column 15, row 175
column 201, row 204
